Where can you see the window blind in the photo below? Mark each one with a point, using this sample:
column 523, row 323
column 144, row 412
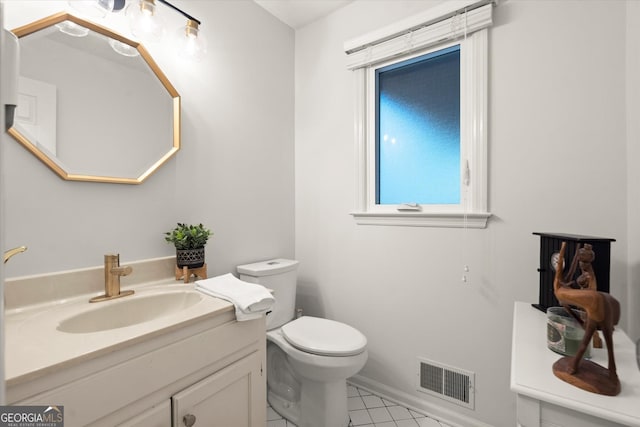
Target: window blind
column 418, row 33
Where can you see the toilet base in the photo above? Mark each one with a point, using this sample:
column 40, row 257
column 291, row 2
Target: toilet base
column 321, row 405
column 324, row 404
column 287, row 409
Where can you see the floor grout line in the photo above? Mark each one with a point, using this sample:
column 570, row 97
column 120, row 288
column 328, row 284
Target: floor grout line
column 377, row 414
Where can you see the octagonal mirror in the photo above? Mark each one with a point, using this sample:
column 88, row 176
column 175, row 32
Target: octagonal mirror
column 93, row 105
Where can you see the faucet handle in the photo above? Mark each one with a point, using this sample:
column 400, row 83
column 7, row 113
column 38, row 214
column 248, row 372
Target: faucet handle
column 122, row 271
column 112, row 265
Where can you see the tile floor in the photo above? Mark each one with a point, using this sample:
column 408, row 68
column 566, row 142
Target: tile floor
column 369, row 410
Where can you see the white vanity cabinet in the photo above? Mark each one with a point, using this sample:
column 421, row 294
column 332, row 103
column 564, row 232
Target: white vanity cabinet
column 212, row 368
column 227, row 398
column 230, row 397
column 158, row 416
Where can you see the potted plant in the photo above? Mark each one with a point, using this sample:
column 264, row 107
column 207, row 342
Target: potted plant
column 189, row 241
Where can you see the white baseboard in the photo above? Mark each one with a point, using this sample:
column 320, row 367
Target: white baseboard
column 440, row 413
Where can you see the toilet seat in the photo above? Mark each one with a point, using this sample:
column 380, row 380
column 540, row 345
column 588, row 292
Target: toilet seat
column 324, row 337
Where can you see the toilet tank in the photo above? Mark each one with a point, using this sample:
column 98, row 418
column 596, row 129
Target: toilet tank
column 280, row 276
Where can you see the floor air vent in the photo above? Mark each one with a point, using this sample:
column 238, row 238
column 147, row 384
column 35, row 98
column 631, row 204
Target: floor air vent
column 452, row 384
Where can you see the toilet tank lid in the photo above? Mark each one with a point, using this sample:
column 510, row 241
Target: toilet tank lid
column 268, row 268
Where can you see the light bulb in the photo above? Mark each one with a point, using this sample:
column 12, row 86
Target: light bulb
column 191, row 42
column 93, row 8
column 144, row 22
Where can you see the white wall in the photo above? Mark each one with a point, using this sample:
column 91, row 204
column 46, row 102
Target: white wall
column 234, row 172
column 633, row 171
column 557, row 164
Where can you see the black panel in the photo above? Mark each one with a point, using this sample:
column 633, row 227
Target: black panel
column 550, row 243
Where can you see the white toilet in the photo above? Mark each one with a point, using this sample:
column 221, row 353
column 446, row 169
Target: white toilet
column 308, row 359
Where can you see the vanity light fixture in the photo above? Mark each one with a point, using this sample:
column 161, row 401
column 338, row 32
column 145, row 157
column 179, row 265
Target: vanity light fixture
column 191, row 44
column 148, row 26
column 144, row 21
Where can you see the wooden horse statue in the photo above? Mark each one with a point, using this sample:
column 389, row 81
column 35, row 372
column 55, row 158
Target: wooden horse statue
column 586, row 280
column 602, row 313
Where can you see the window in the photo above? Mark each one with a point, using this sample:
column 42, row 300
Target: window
column 417, row 138
column 421, row 121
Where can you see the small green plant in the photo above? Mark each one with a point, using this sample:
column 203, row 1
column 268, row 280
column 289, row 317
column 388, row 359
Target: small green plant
column 188, row 236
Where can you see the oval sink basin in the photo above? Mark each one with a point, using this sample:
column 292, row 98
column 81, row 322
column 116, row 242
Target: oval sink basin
column 129, row 311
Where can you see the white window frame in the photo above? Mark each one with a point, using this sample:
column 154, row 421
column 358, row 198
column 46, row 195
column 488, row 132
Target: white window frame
column 472, row 210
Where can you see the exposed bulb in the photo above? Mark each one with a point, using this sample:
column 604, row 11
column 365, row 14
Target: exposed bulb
column 191, row 42
column 144, row 22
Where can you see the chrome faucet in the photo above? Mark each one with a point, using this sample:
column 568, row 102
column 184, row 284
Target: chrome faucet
column 112, row 273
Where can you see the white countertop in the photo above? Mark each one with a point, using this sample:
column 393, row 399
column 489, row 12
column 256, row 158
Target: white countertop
column 35, row 347
column 532, row 374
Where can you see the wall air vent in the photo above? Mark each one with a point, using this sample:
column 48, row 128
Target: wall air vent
column 445, row 382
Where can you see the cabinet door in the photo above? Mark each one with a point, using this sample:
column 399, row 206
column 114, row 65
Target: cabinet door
column 234, row 396
column 158, row 416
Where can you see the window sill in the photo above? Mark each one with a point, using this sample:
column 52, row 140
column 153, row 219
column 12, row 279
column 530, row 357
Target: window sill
column 422, row 219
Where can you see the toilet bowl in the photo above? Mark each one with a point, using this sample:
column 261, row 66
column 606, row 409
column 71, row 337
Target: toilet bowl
column 308, row 359
column 310, row 389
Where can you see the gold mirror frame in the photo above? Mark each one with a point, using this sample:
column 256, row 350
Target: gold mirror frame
column 144, row 54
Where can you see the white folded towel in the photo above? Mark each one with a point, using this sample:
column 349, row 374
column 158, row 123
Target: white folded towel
column 250, row 299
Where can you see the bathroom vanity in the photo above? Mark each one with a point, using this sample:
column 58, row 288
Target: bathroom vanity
column 544, row 400
column 167, row 355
